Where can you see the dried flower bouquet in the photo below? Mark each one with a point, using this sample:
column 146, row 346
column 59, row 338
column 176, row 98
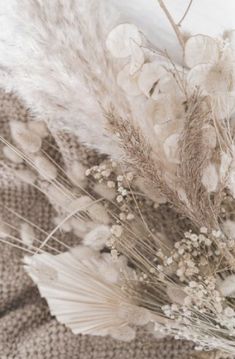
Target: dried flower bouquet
column 168, row 132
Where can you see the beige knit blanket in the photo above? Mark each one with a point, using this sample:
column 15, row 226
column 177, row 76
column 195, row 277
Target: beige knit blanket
column 27, row 330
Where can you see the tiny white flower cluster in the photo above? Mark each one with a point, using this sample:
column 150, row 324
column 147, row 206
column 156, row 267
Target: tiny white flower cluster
column 107, row 174
column 191, row 255
column 202, row 294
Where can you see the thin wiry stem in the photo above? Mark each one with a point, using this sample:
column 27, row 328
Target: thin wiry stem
column 172, row 22
column 185, row 13
column 34, row 238
column 16, row 246
column 36, row 227
column 64, row 221
column 18, row 240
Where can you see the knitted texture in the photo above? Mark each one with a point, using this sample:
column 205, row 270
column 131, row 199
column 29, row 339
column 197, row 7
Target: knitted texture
column 27, row 330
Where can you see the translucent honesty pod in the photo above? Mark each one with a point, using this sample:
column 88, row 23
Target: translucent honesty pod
column 150, row 76
column 118, row 40
column 200, row 49
column 129, row 83
column 137, row 57
column 197, row 76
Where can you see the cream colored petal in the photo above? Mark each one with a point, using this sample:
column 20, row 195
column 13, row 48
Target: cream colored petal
column 212, row 80
column 127, row 82
column 118, row 40
column 137, row 58
column 171, row 148
column 150, row 76
column 166, row 110
column 200, row 49
column 160, row 111
column 217, row 81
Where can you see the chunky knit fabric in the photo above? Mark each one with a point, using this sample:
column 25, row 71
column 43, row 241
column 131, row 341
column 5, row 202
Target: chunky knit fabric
column 27, row 330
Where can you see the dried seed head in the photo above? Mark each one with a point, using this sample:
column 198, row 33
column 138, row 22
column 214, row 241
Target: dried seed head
column 45, row 168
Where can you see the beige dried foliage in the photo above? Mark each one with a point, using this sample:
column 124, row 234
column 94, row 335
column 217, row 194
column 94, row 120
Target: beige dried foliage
column 194, row 157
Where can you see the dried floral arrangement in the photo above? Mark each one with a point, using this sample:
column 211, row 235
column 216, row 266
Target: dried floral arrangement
column 168, row 133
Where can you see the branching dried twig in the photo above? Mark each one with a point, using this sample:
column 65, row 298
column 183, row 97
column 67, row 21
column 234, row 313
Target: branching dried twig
column 172, row 22
column 185, row 13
